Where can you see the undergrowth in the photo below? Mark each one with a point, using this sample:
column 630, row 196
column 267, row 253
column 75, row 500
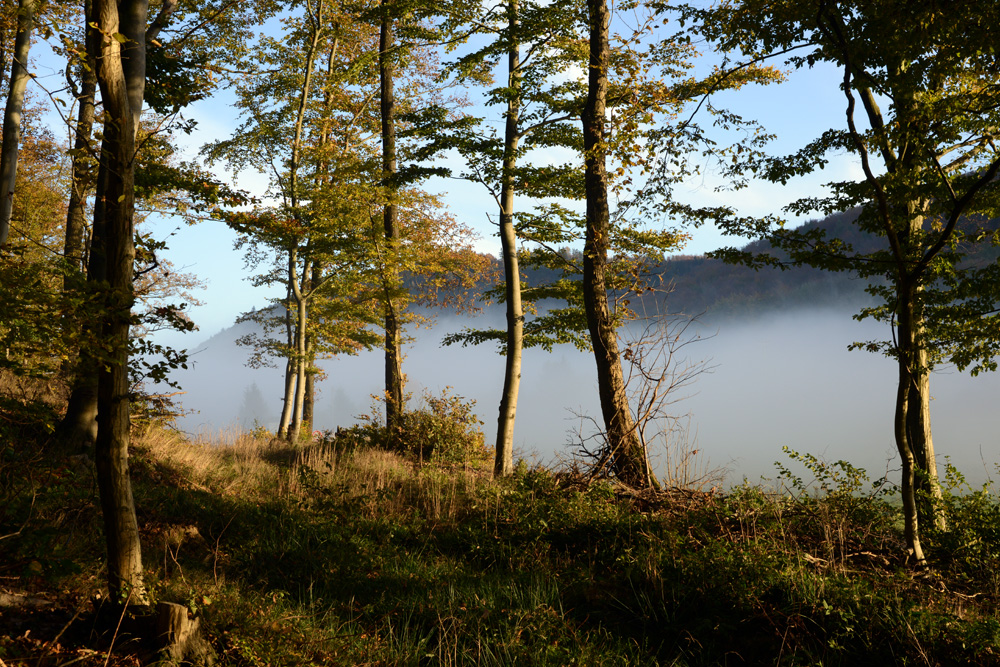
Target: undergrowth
column 341, row 553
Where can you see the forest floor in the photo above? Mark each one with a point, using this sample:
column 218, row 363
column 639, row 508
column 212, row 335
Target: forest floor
column 340, row 553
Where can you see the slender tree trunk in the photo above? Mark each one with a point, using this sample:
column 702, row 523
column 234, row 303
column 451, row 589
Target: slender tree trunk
column 121, row 75
column 393, row 347
column 918, row 425
column 300, row 367
column 906, row 341
column 309, row 399
column 628, row 460
column 286, row 407
column 504, row 464
column 82, row 177
column 82, row 182
column 78, row 428
column 12, row 115
column 295, row 375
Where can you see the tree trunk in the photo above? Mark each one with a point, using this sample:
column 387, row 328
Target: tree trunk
column 295, row 388
column 12, row 114
column 918, row 425
column 180, row 637
column 82, row 176
column 906, row 341
column 504, row 464
column 78, row 428
column 309, row 399
column 75, row 245
column 393, row 336
column 300, row 367
column 286, row 407
column 309, row 396
column 289, row 399
column 121, row 75
column 628, row 460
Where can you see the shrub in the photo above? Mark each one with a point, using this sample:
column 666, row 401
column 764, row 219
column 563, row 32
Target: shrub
column 971, row 545
column 445, row 429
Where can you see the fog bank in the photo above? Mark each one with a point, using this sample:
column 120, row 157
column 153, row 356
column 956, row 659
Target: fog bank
column 780, row 380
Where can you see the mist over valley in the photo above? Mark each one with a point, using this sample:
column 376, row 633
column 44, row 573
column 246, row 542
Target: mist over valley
column 777, row 373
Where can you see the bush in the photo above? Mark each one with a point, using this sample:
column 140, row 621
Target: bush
column 445, row 430
column 970, row 546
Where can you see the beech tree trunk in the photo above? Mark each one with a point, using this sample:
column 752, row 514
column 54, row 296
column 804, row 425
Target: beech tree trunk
column 82, row 176
column 295, row 380
column 628, row 459
column 286, row 407
column 78, row 428
column 12, row 114
column 390, row 220
column 918, row 425
column 300, row 369
column 75, row 242
column 504, row 463
column 121, row 76
column 309, row 399
column 901, row 421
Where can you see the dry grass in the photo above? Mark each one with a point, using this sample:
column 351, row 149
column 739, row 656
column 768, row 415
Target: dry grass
column 680, row 464
column 385, row 483
column 51, row 391
column 227, row 462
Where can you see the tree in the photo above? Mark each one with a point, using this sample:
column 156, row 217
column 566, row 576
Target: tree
column 529, row 110
column 628, row 457
column 253, row 408
column 310, row 125
column 394, row 405
column 930, row 166
column 82, row 170
column 116, row 41
column 174, row 83
column 648, row 80
column 323, row 143
column 32, row 335
column 643, row 82
column 504, row 463
column 12, row 114
column 116, row 28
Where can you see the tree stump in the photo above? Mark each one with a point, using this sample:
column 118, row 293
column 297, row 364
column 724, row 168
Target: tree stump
column 180, row 638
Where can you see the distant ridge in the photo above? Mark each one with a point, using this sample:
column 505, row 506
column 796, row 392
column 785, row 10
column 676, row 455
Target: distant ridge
column 699, row 285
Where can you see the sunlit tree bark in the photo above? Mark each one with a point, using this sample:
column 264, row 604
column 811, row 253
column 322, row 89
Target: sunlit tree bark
column 12, row 114
column 121, row 75
column 390, row 220
column 628, row 460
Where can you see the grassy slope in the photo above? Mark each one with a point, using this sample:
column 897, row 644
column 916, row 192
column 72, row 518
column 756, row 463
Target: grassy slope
column 349, row 557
